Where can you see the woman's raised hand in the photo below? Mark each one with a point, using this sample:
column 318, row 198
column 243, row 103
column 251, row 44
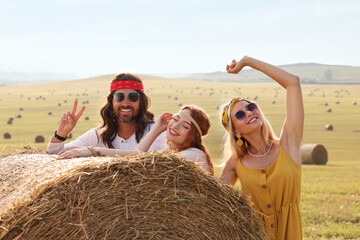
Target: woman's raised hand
column 235, row 67
column 163, row 121
column 68, row 121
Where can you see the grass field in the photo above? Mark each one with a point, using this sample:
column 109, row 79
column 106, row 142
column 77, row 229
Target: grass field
column 330, row 201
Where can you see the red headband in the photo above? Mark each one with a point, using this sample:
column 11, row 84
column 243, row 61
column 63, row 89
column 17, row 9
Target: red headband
column 126, row 84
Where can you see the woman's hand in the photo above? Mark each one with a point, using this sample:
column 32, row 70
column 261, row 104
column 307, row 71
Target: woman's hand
column 162, row 122
column 74, row 153
column 235, row 67
column 68, row 121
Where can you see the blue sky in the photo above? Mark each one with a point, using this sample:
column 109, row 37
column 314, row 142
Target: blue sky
column 168, row 36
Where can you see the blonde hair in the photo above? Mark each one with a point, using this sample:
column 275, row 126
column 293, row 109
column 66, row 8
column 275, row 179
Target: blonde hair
column 232, row 150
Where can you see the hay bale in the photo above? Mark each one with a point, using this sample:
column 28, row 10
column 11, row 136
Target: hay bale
column 329, row 127
column 49, row 113
column 325, row 103
column 87, row 118
column 273, row 102
column 328, row 110
column 7, row 135
column 354, row 103
column 70, row 136
column 9, row 122
column 39, row 139
column 157, row 196
column 313, row 154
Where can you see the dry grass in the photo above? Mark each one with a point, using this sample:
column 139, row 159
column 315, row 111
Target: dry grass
column 148, row 196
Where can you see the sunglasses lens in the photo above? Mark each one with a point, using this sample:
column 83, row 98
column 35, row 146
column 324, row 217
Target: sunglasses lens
column 240, row 115
column 133, row 96
column 119, row 97
column 251, row 107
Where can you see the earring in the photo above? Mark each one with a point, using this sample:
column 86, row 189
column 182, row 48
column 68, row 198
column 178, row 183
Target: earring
column 238, row 139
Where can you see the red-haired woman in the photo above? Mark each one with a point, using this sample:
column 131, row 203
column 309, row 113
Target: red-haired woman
column 269, row 168
column 184, row 132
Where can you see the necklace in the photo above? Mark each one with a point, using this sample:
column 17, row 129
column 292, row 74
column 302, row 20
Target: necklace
column 262, row 155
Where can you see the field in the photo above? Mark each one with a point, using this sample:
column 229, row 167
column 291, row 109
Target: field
column 330, row 201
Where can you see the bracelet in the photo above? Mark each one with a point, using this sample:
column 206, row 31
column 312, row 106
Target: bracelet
column 94, row 153
column 59, row 137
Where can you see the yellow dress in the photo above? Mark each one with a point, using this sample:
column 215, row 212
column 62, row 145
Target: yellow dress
column 275, row 191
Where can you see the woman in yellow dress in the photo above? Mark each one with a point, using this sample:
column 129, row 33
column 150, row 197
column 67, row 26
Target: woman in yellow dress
column 269, row 168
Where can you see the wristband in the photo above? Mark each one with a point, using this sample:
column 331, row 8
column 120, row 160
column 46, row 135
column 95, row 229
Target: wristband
column 59, row 137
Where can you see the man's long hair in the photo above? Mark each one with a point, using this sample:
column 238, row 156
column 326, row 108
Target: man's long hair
column 108, row 128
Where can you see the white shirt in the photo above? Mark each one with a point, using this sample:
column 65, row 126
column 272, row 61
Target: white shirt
column 197, row 156
column 91, row 139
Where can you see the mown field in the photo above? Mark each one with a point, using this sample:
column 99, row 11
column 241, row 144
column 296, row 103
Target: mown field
column 330, row 202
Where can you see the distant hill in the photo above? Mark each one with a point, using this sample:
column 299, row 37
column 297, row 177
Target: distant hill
column 11, row 78
column 308, row 73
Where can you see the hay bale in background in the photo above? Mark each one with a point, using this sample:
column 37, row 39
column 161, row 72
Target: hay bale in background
column 313, row 154
column 329, row 127
column 7, row 135
column 146, row 196
column 39, row 139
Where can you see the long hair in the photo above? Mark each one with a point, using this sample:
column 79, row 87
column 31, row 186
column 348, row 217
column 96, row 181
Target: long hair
column 108, row 128
column 232, row 150
column 194, row 139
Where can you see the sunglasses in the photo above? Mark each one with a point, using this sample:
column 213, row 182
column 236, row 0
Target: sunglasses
column 240, row 115
column 132, row 96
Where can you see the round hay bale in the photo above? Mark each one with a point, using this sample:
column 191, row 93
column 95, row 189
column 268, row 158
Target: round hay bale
column 328, row 110
column 7, row 135
column 337, row 102
column 157, row 196
column 87, row 118
column 329, row 127
column 354, row 103
column 39, row 139
column 49, row 113
column 18, row 116
column 21, row 109
column 9, row 122
column 273, row 102
column 313, row 154
column 70, row 136
column 59, row 104
column 325, row 103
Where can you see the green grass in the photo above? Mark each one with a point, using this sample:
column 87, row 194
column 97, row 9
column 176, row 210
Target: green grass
column 330, row 202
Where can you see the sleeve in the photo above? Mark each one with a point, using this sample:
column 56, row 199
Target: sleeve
column 89, row 138
column 197, row 156
column 160, row 143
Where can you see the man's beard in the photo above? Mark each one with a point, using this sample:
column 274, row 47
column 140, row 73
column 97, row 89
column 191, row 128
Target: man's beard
column 127, row 119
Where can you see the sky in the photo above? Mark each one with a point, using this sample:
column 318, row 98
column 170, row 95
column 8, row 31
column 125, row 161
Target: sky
column 93, row 37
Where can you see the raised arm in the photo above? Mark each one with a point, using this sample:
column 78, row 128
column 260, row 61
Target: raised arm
column 67, row 123
column 159, row 127
column 292, row 131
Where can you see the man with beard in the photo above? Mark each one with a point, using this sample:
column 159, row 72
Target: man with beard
column 125, row 120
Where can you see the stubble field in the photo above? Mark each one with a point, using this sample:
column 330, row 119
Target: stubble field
column 330, row 201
